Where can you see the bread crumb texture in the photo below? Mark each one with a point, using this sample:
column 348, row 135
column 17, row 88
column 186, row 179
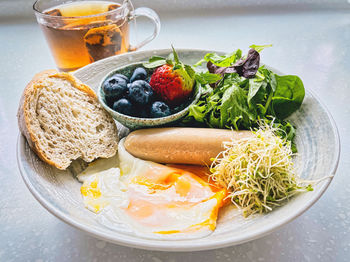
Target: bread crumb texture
column 66, row 121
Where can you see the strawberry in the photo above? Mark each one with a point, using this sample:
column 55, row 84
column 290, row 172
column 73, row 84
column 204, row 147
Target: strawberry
column 173, row 82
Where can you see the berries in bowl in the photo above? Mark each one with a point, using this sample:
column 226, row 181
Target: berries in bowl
column 149, row 94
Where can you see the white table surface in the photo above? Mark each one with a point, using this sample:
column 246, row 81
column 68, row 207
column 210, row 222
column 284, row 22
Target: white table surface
column 312, row 44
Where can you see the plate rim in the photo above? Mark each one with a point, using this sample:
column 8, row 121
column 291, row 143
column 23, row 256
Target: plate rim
column 170, row 245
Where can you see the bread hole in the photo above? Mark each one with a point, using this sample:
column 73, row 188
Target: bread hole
column 68, row 127
column 75, row 113
column 99, row 128
column 90, row 101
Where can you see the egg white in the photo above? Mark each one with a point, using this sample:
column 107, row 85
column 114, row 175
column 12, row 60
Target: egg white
column 125, row 198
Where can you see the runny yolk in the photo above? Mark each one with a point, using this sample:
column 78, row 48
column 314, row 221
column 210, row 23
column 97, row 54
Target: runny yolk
column 162, row 194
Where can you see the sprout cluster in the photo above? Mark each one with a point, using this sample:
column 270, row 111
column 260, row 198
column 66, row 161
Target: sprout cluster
column 258, row 171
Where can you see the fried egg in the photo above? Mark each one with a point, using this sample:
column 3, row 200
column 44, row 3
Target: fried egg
column 151, row 199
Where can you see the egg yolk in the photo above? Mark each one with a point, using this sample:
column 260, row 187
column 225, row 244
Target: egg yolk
column 155, row 198
column 166, row 196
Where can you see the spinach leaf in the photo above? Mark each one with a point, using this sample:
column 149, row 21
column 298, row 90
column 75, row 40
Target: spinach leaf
column 254, row 87
column 288, row 96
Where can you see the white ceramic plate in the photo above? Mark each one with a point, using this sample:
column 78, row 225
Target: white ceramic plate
column 59, row 191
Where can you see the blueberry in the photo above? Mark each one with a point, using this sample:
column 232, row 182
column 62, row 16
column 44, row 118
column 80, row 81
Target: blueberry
column 123, row 106
column 138, row 74
column 160, row 109
column 114, row 87
column 122, row 76
column 127, row 92
column 140, row 92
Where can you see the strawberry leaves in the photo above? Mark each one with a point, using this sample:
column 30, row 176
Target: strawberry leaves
column 155, row 61
column 173, row 59
column 179, row 65
column 176, row 58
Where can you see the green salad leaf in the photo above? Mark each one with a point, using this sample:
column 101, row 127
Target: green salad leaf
column 207, row 78
column 259, row 48
column 240, row 103
column 221, row 60
column 288, row 96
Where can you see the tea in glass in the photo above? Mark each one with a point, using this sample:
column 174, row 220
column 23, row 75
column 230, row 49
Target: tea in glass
column 76, row 42
column 82, row 32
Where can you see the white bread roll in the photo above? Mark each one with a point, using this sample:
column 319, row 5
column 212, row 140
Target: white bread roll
column 177, row 145
column 62, row 120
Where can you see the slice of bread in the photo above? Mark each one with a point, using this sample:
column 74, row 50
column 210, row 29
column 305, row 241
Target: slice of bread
column 62, row 120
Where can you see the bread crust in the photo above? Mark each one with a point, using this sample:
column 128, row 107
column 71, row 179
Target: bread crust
column 23, row 115
column 23, row 118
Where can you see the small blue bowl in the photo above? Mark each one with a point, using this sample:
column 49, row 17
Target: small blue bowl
column 132, row 122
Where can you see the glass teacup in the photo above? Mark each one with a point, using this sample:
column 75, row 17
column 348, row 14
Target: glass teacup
column 80, row 32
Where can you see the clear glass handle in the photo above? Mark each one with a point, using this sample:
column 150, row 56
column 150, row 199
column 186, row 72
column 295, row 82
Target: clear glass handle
column 149, row 13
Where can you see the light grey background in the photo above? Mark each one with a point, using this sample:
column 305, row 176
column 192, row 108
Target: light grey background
column 309, row 40
column 10, row 8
